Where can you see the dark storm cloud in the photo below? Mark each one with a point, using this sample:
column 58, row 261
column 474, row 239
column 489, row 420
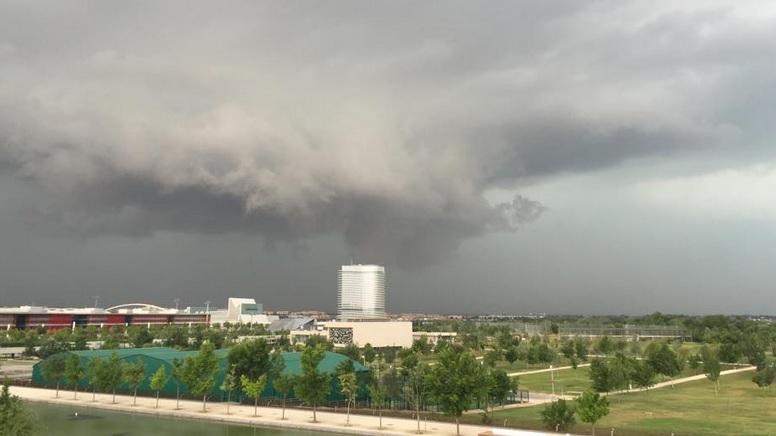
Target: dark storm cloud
column 385, row 123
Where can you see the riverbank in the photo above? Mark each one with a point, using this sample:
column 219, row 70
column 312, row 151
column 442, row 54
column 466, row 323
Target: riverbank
column 295, row 418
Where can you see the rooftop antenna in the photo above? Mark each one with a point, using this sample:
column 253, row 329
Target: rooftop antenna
column 177, row 300
column 96, row 300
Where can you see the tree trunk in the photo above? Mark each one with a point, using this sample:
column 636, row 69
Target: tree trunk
column 347, row 420
column 380, row 414
column 114, row 395
column 94, row 395
column 593, row 427
column 178, row 398
column 75, row 392
column 228, row 400
column 57, row 389
column 283, row 413
column 157, row 399
column 417, row 415
column 457, row 426
column 314, row 419
column 256, row 406
column 204, row 402
column 134, row 398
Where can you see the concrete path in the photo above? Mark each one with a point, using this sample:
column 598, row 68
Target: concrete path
column 686, row 379
column 538, row 371
column 295, row 418
column 298, row 419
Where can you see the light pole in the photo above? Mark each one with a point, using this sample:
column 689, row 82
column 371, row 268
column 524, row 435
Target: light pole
column 552, row 380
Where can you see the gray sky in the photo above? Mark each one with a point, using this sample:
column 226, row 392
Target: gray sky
column 560, row 157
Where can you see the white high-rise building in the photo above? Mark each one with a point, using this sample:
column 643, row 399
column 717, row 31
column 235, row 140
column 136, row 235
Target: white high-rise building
column 361, row 292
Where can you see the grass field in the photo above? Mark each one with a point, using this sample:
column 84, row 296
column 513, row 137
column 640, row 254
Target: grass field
column 689, row 409
column 566, row 380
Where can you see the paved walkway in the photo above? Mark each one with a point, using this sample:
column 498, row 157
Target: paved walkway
column 298, row 419
column 295, row 418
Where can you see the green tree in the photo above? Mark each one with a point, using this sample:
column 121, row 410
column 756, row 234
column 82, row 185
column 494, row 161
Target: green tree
column 352, row 351
column 620, row 371
column 643, row 375
column 369, row 353
column 177, row 376
column 283, row 385
column 93, row 369
column 662, row 359
column 249, row 358
column 581, row 347
column 600, row 375
column 501, row 386
column 377, row 393
column 456, row 381
column 74, row 372
column 140, row 336
column 53, row 369
column 15, row 420
column 315, row 340
column 590, row 407
column 158, row 380
column 348, row 387
column 313, row 385
column 228, row 385
column 110, row 376
column 421, row 345
column 711, row 365
column 111, row 341
column 605, row 345
column 511, row 354
column 80, row 340
column 414, row 389
column 491, row 358
column 199, row 372
column 253, row 388
column 176, row 337
column 133, row 375
column 764, row 377
column 567, row 348
column 558, row 415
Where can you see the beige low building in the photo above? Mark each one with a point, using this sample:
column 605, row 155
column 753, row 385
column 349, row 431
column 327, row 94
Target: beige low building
column 375, row 333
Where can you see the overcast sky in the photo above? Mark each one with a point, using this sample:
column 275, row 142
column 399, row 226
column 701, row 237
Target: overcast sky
column 510, row 157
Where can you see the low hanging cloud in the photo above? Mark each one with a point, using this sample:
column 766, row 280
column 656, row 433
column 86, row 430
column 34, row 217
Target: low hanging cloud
column 360, row 122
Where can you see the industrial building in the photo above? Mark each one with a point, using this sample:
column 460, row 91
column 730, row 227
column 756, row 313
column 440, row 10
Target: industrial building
column 26, row 317
column 361, row 292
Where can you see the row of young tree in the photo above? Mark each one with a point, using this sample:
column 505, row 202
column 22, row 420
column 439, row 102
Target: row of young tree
column 454, row 384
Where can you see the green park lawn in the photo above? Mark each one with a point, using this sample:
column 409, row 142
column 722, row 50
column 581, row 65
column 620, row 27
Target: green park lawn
column 566, row 380
column 689, row 409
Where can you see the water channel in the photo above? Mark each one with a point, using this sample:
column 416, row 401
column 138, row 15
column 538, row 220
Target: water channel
column 81, row 421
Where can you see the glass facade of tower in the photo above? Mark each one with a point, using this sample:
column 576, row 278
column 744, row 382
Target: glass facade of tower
column 361, row 292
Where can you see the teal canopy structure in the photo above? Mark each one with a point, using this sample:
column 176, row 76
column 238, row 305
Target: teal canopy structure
column 155, row 358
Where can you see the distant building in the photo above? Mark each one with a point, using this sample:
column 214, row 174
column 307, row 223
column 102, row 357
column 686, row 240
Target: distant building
column 361, row 293
column 378, row 333
column 242, row 311
column 28, row 317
